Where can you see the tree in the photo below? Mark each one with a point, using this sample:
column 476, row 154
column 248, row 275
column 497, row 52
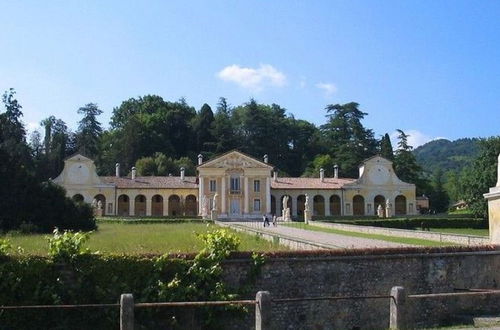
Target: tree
column 202, row 127
column 405, row 163
column 222, row 129
column 89, row 130
column 324, row 162
column 346, row 139
column 480, row 176
column 386, row 150
column 439, row 199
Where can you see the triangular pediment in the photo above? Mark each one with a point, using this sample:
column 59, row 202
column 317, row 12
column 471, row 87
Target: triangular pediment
column 235, row 159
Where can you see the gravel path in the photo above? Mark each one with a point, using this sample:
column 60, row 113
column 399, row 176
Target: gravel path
column 333, row 240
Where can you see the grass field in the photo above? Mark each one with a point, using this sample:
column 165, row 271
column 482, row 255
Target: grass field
column 403, row 240
column 463, row 231
column 161, row 238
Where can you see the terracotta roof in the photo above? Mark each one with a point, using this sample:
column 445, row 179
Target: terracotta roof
column 152, row 182
column 310, row 183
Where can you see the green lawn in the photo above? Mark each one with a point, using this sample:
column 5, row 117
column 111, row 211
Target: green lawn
column 463, row 231
column 161, row 238
column 403, row 240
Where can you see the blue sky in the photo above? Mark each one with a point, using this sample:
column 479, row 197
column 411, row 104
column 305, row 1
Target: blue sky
column 431, row 68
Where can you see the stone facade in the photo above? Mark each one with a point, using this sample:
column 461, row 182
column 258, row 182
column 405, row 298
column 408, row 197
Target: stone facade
column 493, row 198
column 235, row 185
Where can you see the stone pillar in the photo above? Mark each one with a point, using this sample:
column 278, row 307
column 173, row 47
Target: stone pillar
column 398, row 318
column 328, row 212
column 268, row 195
column 493, row 198
column 294, row 205
column 246, row 209
column 223, row 195
column 132, row 206
column 263, row 311
column 127, row 311
column 165, row 205
column 201, row 191
column 149, row 205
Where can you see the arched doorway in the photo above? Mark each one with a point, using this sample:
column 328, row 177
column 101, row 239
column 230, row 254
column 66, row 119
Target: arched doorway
column 157, row 206
column 301, row 201
column 273, row 205
column 358, row 205
column 78, row 198
column 140, row 205
column 335, row 208
column 101, row 198
column 174, row 205
column 378, row 200
column 191, row 206
column 123, row 205
column 400, row 207
column 319, row 205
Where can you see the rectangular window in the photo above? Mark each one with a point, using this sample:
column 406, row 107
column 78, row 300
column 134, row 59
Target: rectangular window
column 256, row 205
column 213, row 185
column 235, row 184
column 256, row 185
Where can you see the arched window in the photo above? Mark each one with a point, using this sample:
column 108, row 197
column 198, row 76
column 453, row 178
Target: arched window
column 174, row 205
column 400, row 207
column 378, row 200
column 358, row 205
column 78, row 198
column 191, row 206
column 157, row 206
column 140, row 205
column 123, row 205
column 301, row 200
column 319, row 205
column 335, row 208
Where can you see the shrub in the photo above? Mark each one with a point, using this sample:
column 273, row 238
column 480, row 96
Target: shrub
column 412, row 223
column 68, row 245
column 4, row 247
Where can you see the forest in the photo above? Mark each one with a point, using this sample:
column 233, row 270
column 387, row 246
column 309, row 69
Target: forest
column 158, row 137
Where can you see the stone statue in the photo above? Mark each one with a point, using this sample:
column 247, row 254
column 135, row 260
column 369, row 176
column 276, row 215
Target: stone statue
column 94, row 203
column 214, row 204
column 286, row 209
column 388, row 209
column 204, row 206
column 380, row 211
column 307, row 210
column 99, row 205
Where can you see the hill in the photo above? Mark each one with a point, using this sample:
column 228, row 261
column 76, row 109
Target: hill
column 447, row 155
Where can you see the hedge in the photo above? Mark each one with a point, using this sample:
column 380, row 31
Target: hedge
column 412, row 223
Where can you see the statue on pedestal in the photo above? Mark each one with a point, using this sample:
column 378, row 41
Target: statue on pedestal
column 286, row 209
column 388, row 209
column 307, row 210
column 380, row 211
column 214, row 207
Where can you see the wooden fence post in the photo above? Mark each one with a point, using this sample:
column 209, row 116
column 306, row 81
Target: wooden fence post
column 263, row 311
column 127, row 311
column 398, row 309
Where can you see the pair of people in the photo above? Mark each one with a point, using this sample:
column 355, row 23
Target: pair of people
column 265, row 220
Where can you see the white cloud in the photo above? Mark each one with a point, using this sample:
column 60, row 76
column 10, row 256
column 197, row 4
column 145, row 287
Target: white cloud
column 253, row 79
column 328, row 88
column 415, row 138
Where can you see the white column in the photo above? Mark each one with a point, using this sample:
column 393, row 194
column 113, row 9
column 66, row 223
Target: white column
column 223, row 195
column 246, row 208
column 165, row 205
column 201, row 191
column 294, row 205
column 327, row 206
column 132, row 206
column 149, row 204
column 268, row 195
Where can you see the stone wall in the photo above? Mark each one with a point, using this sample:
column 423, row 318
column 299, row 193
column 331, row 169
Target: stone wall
column 312, row 276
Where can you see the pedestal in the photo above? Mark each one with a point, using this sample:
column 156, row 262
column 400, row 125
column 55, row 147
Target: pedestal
column 307, row 216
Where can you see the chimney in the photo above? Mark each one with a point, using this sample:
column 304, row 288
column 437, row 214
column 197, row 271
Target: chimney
column 182, row 173
column 117, row 171
column 200, row 159
column 275, row 175
column 322, row 174
column 134, row 172
column 336, row 171
column 266, row 159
